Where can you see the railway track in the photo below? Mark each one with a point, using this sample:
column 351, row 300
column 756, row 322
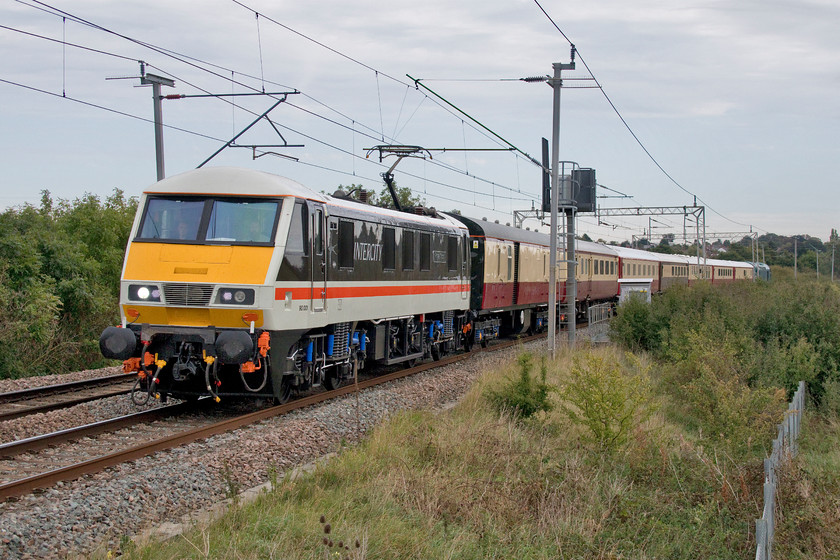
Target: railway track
column 129, row 438
column 53, row 397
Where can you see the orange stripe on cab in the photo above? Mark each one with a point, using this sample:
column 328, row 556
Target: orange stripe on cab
column 368, row 291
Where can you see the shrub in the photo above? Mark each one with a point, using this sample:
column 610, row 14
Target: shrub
column 523, row 396
column 59, row 271
column 606, row 399
column 714, row 391
column 634, row 326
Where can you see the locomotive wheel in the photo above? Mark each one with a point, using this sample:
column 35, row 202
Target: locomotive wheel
column 285, row 390
column 332, row 382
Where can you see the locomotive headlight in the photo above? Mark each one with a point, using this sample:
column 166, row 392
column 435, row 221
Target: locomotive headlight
column 236, row 296
column 141, row 292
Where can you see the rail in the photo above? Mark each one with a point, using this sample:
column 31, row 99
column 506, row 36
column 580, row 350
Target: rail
column 15, row 488
column 785, row 447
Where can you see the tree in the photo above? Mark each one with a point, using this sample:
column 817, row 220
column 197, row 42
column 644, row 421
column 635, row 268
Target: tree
column 404, row 195
column 383, row 199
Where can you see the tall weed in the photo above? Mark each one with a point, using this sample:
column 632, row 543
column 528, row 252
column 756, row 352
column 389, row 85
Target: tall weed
column 523, row 396
column 607, row 398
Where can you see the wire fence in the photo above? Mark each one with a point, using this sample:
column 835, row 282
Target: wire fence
column 599, row 313
column 785, row 447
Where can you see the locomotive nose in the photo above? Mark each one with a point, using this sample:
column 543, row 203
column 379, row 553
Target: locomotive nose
column 117, row 343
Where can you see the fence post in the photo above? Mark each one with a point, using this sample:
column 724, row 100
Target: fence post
column 785, row 447
column 770, row 518
column 760, row 539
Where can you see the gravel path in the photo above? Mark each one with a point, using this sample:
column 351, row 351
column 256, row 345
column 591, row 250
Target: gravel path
column 95, row 512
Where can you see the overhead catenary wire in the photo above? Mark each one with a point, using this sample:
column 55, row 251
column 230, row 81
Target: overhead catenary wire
column 201, row 65
column 627, row 125
column 378, row 72
column 197, row 63
column 181, row 79
column 181, row 57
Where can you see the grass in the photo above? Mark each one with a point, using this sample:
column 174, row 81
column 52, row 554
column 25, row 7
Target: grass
column 473, row 483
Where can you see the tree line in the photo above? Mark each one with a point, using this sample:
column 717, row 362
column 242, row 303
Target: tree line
column 60, row 266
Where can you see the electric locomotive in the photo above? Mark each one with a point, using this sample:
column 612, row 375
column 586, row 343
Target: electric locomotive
column 242, row 283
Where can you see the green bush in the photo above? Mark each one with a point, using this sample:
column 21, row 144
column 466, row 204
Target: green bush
column 523, row 396
column 635, row 326
column 609, row 400
column 775, row 334
column 724, row 406
column 59, row 281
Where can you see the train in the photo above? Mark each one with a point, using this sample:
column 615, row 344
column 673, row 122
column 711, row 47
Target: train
column 240, row 283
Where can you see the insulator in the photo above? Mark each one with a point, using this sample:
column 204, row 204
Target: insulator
column 532, row 79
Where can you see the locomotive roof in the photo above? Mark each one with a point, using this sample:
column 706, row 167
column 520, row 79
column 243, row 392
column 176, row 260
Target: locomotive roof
column 236, row 181
column 233, row 181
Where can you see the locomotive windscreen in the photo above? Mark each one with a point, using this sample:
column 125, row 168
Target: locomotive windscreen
column 212, row 220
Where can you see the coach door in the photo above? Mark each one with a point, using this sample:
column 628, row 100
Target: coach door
column 317, row 222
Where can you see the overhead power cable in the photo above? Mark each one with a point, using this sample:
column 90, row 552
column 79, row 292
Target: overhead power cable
column 473, row 119
column 65, row 43
column 198, row 64
column 376, row 71
column 104, row 108
column 627, row 125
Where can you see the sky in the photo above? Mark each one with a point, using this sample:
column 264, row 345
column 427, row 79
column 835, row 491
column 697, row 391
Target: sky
column 734, row 103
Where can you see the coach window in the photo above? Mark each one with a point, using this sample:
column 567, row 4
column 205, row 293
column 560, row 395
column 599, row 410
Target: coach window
column 345, row 244
column 408, row 250
column 389, row 249
column 510, row 263
column 452, row 252
column 425, row 251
